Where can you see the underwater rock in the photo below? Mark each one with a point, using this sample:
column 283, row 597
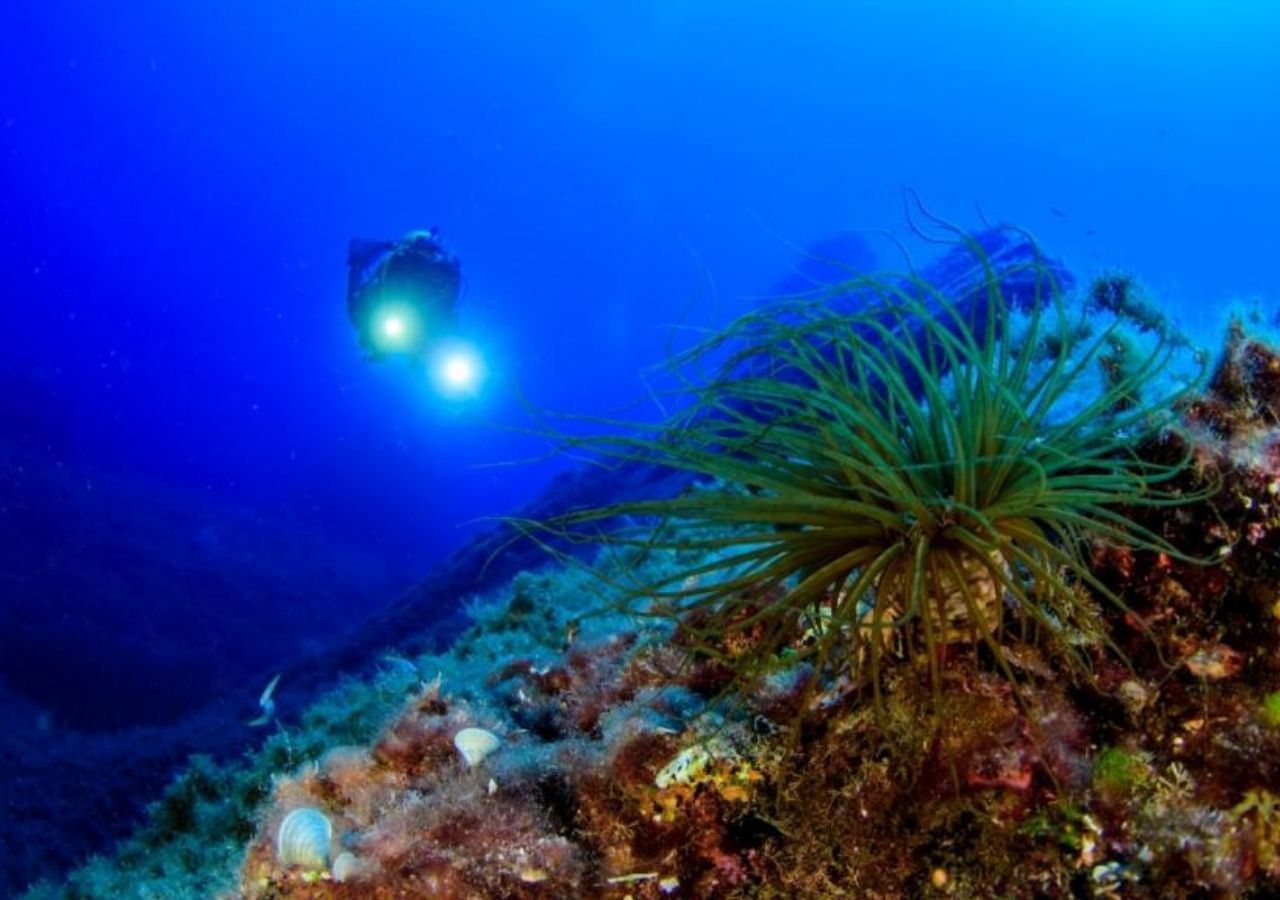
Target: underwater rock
column 1243, row 395
column 1001, row 258
column 826, row 262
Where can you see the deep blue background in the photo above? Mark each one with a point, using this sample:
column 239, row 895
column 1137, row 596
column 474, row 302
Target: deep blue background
column 178, row 182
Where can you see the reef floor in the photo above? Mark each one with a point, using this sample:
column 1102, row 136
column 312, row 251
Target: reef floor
column 559, row 749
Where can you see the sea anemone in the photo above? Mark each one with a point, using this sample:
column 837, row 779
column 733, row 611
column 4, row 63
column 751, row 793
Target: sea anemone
column 887, row 481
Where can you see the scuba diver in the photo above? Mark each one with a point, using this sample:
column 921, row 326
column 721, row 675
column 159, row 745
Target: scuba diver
column 402, row 295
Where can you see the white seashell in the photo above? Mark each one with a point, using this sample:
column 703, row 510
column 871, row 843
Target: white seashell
column 475, row 744
column 303, row 839
column 346, row 866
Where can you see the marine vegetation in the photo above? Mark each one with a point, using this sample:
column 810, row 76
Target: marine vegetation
column 560, row 748
column 892, row 480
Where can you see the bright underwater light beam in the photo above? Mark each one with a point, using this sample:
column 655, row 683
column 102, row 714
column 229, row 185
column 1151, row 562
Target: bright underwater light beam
column 393, row 326
column 457, row 371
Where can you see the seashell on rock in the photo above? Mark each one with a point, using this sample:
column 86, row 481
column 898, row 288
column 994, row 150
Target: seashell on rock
column 346, row 866
column 304, row 838
column 475, row 744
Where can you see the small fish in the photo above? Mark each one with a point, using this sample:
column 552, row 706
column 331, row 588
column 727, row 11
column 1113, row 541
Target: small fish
column 267, row 703
column 397, row 661
column 571, row 632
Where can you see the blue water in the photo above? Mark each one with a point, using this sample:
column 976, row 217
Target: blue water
column 178, row 183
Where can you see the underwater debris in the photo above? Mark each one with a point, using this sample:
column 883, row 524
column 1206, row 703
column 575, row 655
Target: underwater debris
column 267, row 703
